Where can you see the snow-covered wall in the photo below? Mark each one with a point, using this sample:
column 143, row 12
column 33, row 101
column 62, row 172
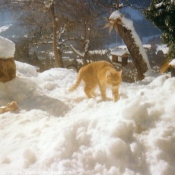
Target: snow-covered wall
column 7, row 48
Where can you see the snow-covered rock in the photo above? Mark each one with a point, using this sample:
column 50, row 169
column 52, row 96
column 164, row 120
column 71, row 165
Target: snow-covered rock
column 7, row 48
column 7, row 63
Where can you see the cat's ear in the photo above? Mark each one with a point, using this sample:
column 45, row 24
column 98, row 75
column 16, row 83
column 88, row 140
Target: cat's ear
column 108, row 74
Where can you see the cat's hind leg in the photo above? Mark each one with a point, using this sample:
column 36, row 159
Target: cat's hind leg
column 93, row 94
column 89, row 91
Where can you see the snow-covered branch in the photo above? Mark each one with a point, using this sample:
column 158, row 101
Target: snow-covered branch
column 48, row 3
column 139, row 5
column 76, row 51
column 87, row 46
column 61, row 31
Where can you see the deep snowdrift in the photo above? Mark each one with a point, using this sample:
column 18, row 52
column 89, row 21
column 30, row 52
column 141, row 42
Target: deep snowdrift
column 66, row 133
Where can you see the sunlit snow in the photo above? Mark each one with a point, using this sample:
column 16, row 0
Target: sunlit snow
column 7, row 48
column 54, row 130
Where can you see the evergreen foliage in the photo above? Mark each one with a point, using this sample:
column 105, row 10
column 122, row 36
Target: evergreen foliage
column 162, row 13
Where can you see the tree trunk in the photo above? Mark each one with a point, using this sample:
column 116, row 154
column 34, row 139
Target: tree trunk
column 117, row 4
column 115, row 21
column 138, row 60
column 85, row 59
column 58, row 60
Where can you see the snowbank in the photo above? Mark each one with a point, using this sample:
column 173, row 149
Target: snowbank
column 7, row 48
column 56, row 131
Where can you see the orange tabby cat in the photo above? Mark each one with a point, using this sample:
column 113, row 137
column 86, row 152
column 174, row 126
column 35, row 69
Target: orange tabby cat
column 102, row 74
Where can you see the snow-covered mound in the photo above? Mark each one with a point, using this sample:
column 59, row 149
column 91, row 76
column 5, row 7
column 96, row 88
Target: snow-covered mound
column 7, row 48
column 56, row 131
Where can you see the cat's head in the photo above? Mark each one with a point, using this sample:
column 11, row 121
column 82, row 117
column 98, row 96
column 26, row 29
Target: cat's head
column 113, row 79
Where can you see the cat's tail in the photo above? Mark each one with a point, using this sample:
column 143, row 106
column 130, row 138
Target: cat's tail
column 78, row 81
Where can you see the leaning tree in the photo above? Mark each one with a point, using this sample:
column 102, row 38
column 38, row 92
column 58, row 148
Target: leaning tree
column 125, row 29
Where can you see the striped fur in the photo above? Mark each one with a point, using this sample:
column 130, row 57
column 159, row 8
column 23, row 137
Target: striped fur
column 102, row 74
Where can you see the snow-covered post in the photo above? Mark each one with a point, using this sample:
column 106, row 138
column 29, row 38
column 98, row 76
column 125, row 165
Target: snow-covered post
column 124, row 27
column 172, row 66
column 7, row 63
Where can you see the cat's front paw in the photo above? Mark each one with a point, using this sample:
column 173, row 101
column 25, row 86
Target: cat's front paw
column 115, row 99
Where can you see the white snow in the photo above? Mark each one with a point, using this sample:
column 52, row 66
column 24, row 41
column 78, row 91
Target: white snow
column 162, row 47
column 4, row 28
column 129, row 24
column 100, row 52
column 115, row 15
column 76, row 51
column 172, row 63
column 48, row 3
column 123, row 47
column 54, row 131
column 7, row 48
column 147, row 46
column 158, row 5
column 119, row 51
